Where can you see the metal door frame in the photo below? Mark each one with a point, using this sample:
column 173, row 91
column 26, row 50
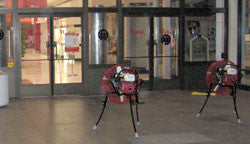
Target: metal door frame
column 51, row 89
column 174, row 13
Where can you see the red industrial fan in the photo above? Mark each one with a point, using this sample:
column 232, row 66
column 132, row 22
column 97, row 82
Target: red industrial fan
column 222, row 78
column 121, row 85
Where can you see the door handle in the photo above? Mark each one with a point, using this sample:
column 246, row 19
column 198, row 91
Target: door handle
column 48, row 44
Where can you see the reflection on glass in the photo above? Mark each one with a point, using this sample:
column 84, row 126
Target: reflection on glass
column 35, row 55
column 166, row 52
column 6, row 43
column 103, row 3
column 142, row 69
column 136, row 40
column 167, row 67
column 68, row 52
column 204, row 38
column 136, row 36
column 35, row 72
column 204, row 3
column 49, row 3
column 68, row 71
column 5, row 3
column 246, row 53
column 103, row 46
column 150, row 3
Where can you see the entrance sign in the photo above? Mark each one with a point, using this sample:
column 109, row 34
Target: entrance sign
column 72, row 42
column 165, row 39
column 103, row 34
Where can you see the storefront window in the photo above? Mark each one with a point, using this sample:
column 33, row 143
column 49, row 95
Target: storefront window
column 204, row 3
column 5, row 3
column 248, row 3
column 246, row 52
column 150, row 3
column 103, row 3
column 34, row 51
column 49, row 3
column 6, row 40
column 102, row 38
column 68, row 50
column 204, row 38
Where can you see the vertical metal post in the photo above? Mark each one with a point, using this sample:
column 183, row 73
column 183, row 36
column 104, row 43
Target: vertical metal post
column 52, row 60
column 85, row 46
column 219, row 30
column 226, row 27
column 17, row 49
column 158, row 26
column 97, row 49
column 181, row 57
column 239, row 54
column 151, row 51
column 3, row 47
column 243, row 30
column 120, row 32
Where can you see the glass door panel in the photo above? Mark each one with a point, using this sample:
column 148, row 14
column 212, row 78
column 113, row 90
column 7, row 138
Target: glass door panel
column 35, row 54
column 67, row 50
column 166, row 34
column 151, row 3
column 246, row 52
column 136, row 48
column 102, row 38
column 204, row 38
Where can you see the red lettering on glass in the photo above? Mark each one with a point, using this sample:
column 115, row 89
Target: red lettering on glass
column 163, row 31
column 133, row 31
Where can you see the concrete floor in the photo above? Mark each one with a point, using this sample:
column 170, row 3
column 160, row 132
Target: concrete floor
column 166, row 118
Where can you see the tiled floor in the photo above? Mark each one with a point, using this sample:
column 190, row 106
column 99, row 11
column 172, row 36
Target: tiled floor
column 166, row 118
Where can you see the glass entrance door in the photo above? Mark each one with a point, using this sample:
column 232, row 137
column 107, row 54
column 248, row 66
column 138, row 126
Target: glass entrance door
column 166, row 38
column 51, row 56
column 151, row 44
column 67, row 50
column 35, row 54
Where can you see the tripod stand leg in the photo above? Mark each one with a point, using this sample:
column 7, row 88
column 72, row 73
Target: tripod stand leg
column 137, row 115
column 235, row 105
column 132, row 116
column 208, row 95
column 103, row 109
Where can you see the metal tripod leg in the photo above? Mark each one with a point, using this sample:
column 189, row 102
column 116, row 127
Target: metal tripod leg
column 103, row 109
column 132, row 116
column 208, row 95
column 137, row 113
column 235, row 106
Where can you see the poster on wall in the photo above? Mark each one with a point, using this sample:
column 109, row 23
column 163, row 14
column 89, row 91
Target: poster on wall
column 72, row 42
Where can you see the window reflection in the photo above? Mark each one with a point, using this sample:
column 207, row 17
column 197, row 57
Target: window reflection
column 102, row 49
column 49, row 3
column 204, row 3
column 103, row 3
column 151, row 3
column 6, row 44
column 203, row 41
column 246, row 52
